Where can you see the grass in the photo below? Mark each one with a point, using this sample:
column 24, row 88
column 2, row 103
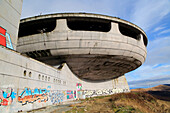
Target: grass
column 134, row 102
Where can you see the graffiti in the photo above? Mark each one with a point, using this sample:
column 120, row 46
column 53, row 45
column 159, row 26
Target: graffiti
column 74, row 94
column 2, row 36
column 79, row 90
column 7, row 97
column 80, row 95
column 30, row 96
column 79, row 86
column 69, row 94
column 5, row 39
column 92, row 93
column 48, row 87
column 57, row 97
column 89, row 93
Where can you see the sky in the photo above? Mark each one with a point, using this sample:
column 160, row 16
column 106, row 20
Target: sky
column 153, row 16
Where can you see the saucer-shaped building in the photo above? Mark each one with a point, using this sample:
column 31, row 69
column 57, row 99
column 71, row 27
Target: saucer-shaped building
column 95, row 47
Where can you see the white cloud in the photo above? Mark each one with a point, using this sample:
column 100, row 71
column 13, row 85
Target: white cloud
column 159, row 28
column 157, row 61
column 144, row 13
column 164, row 32
column 145, row 72
column 147, row 13
column 153, row 81
column 158, row 51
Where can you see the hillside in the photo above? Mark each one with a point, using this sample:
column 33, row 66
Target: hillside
column 161, row 92
column 134, row 102
column 165, row 87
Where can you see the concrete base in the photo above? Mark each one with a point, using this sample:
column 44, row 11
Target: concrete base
column 27, row 84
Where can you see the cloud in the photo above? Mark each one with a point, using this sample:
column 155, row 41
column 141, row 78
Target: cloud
column 148, row 13
column 164, row 32
column 145, row 72
column 157, row 61
column 153, row 81
column 159, row 28
column 158, row 51
column 144, row 13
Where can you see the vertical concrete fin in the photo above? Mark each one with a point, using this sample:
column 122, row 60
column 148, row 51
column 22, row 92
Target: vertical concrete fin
column 61, row 25
column 114, row 28
column 141, row 43
column 141, row 39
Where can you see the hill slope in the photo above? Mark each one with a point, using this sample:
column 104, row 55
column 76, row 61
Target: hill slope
column 165, row 87
column 161, row 92
column 136, row 102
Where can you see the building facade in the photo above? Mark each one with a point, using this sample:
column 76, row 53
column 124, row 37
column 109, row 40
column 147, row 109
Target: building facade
column 64, row 57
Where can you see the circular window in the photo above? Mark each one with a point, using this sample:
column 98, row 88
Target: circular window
column 64, row 82
column 42, row 77
column 25, row 72
column 59, row 81
column 30, row 74
column 39, row 76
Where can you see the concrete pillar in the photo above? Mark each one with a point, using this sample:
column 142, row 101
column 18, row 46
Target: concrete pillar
column 114, row 28
column 61, row 25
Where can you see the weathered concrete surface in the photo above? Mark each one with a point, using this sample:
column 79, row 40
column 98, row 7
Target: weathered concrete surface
column 10, row 18
column 27, row 84
column 91, row 55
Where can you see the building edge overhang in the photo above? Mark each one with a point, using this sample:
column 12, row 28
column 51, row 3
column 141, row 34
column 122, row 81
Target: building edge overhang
column 88, row 15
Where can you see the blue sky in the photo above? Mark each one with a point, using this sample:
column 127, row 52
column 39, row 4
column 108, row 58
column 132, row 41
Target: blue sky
column 153, row 16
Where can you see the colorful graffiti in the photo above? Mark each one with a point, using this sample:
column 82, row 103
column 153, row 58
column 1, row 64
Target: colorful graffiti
column 74, row 94
column 79, row 86
column 92, row 93
column 30, row 96
column 57, row 96
column 6, row 98
column 5, row 39
column 69, row 94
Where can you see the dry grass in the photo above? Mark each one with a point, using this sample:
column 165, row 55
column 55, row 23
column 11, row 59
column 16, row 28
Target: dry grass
column 161, row 92
column 134, row 102
column 141, row 101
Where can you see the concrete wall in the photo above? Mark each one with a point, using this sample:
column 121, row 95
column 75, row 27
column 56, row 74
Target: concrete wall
column 27, row 84
column 10, row 18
